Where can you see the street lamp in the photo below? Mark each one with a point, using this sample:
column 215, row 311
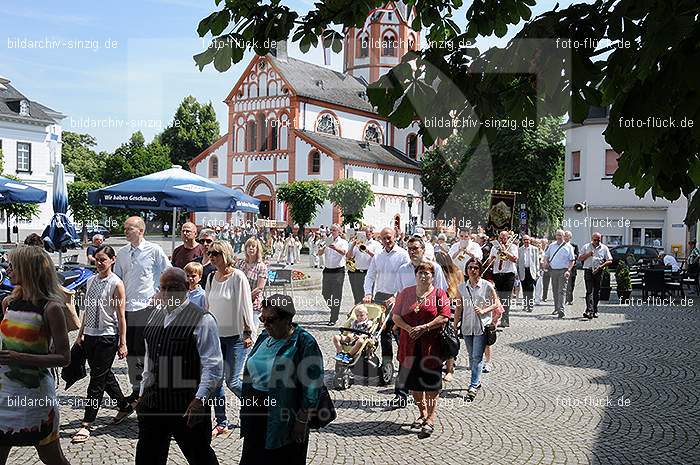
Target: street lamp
column 409, row 201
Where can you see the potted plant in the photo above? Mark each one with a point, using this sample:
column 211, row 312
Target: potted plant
column 624, row 282
column 605, row 285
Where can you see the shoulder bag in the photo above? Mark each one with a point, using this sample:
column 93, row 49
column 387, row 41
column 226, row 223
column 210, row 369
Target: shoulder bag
column 449, row 340
column 489, row 329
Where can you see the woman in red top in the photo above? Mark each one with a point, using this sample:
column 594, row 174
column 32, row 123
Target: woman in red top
column 420, row 312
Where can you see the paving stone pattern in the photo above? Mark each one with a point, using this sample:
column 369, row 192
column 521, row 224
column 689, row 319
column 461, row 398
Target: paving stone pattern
column 622, row 388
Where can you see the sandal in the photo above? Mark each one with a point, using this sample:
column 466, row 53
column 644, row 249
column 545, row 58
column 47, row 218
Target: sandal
column 418, row 424
column 427, row 430
column 219, row 430
column 123, row 414
column 81, row 436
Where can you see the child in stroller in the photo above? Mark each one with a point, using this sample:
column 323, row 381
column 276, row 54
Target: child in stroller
column 363, row 323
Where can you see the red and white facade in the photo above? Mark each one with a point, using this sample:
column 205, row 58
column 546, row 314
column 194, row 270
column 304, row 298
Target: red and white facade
column 275, row 109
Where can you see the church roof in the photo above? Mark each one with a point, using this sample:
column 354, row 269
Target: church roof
column 355, row 150
column 314, row 81
column 10, row 99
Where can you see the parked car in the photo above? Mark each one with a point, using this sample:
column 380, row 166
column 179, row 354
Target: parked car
column 93, row 229
column 633, row 254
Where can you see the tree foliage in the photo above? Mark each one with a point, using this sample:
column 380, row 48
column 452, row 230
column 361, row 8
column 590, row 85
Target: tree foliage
column 640, row 59
column 352, row 196
column 134, row 159
column 304, row 199
column 83, row 213
column 456, row 175
column 194, row 128
column 79, row 157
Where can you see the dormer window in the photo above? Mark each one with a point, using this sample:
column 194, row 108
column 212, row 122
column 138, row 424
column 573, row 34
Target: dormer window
column 23, row 108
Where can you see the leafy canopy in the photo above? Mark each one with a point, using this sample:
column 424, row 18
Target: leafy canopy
column 352, row 196
column 640, row 59
column 304, row 199
column 194, row 128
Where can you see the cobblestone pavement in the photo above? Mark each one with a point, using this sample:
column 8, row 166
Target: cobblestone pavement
column 622, row 388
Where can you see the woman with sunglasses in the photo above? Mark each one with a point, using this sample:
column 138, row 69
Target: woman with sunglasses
column 281, row 384
column 32, row 318
column 229, row 299
column 420, row 312
column 473, row 312
column 206, row 238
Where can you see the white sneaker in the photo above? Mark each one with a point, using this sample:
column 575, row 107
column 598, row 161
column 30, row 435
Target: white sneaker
column 488, row 367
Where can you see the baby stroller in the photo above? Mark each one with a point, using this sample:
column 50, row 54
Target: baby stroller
column 365, row 362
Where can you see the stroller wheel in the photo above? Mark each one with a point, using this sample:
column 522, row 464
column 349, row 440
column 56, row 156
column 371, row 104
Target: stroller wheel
column 341, row 381
column 386, row 373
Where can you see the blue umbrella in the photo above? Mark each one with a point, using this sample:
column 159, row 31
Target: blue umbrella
column 172, row 189
column 60, row 234
column 12, row 191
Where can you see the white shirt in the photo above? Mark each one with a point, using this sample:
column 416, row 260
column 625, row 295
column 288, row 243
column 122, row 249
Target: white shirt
column 505, row 266
column 140, row 269
column 480, row 295
column 670, row 260
column 383, row 272
column 407, row 276
column 333, row 258
column 429, row 250
column 363, row 259
column 562, row 259
column 471, row 247
column 231, row 303
column 600, row 255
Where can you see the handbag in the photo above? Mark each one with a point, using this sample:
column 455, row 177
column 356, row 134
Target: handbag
column 325, row 412
column 69, row 310
column 449, row 341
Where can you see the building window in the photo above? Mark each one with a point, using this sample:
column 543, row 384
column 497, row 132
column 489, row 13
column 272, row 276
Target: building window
column 611, row 157
column 327, row 124
column 375, row 179
column 315, row 162
column 411, row 42
column 396, row 181
column 412, row 146
column 23, row 108
column 382, row 206
column 575, row 164
column 251, row 138
column 362, row 46
column 262, row 124
column 273, row 124
column 389, row 45
column 385, row 180
column 24, row 157
column 405, row 182
column 373, row 133
column 214, row 167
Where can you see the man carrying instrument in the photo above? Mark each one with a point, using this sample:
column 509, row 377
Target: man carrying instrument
column 595, row 256
column 362, row 249
column 503, row 259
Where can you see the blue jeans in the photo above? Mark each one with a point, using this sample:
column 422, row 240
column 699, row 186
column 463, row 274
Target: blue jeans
column 475, row 347
column 234, row 353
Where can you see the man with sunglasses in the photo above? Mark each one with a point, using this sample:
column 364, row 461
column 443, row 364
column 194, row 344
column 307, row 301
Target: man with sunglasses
column 189, row 251
column 595, row 256
column 206, row 237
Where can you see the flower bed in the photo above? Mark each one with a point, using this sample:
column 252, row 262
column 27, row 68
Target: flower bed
column 299, row 275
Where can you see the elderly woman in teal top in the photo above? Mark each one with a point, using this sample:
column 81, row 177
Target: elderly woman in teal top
column 281, row 385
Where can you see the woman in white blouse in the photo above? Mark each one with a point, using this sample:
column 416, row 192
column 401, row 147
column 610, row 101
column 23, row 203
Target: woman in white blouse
column 228, row 298
column 473, row 312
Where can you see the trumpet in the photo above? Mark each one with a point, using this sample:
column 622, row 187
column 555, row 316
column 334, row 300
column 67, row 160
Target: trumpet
column 363, row 247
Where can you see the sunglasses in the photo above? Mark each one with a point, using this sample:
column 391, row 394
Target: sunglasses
column 213, row 253
column 270, row 319
column 473, row 268
column 205, row 241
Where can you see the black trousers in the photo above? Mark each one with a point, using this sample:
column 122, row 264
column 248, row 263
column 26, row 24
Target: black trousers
column 528, row 285
column 545, row 283
column 100, row 352
column 332, row 289
column 385, row 339
column 504, row 288
column 593, row 282
column 357, row 283
column 156, row 430
column 136, row 345
column 570, row 286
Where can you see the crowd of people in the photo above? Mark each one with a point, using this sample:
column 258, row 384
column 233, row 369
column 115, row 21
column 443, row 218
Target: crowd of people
column 188, row 326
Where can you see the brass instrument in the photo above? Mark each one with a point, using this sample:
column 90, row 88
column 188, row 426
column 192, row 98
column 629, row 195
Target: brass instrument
column 501, row 252
column 328, row 241
column 363, row 248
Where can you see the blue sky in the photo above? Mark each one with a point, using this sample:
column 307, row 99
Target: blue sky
column 136, row 82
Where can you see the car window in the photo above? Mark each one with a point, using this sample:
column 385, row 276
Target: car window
column 619, row 250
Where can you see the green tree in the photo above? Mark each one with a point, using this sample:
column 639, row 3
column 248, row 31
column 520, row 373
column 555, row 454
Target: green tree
column 82, row 211
column 79, row 157
column 610, row 53
column 134, row 159
column 304, row 199
column 194, row 128
column 352, row 197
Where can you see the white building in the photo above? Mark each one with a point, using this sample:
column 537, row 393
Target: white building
column 30, row 135
column 618, row 214
column 291, row 120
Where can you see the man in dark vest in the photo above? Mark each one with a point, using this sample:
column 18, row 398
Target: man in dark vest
column 182, row 369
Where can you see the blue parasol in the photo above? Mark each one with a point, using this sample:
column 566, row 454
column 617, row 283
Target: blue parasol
column 60, row 234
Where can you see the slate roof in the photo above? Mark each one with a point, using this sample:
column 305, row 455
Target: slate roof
column 10, row 99
column 352, row 150
column 313, row 81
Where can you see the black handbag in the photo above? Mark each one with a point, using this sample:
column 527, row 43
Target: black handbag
column 449, row 341
column 325, row 412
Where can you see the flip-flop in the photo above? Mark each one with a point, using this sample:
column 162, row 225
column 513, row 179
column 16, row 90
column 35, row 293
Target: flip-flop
column 81, row 436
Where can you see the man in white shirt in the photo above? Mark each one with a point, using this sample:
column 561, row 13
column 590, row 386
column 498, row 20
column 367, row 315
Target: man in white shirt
column 382, row 279
column 670, row 260
column 528, row 270
column 595, row 256
column 334, row 272
column 504, row 258
column 559, row 259
column 362, row 249
column 407, row 272
column 464, row 250
column 427, row 245
column 139, row 265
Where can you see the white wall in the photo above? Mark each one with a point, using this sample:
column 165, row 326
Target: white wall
column 303, row 149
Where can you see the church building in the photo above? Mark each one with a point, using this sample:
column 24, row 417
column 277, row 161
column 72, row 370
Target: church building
column 291, row 120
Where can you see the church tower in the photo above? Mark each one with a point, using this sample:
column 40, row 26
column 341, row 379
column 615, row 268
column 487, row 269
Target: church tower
column 377, row 47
